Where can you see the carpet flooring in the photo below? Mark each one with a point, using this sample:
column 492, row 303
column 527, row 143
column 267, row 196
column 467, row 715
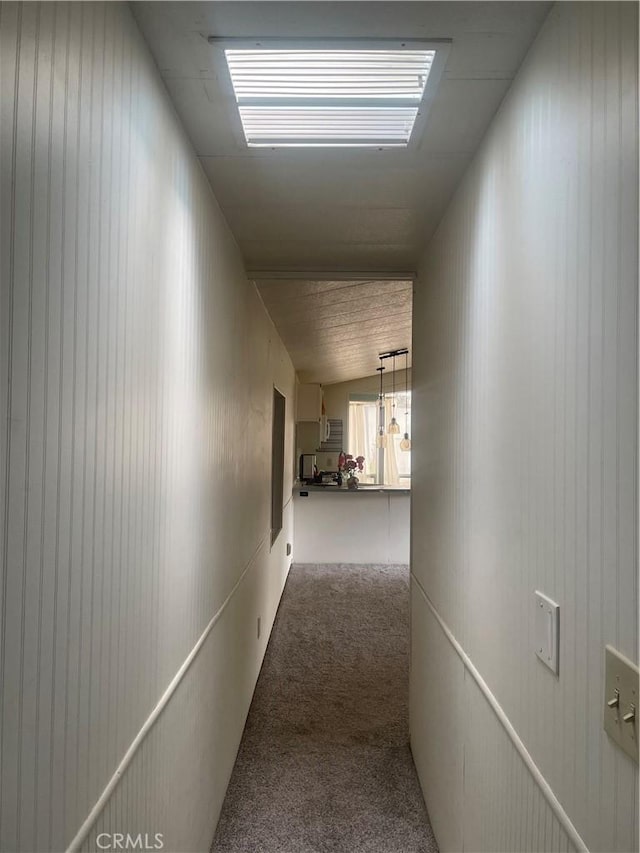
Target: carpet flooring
column 324, row 763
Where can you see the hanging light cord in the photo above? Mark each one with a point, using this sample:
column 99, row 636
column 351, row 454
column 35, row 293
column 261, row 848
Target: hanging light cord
column 405, row 444
column 406, row 392
column 380, row 399
column 393, row 385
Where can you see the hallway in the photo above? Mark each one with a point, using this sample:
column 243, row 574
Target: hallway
column 324, row 763
column 249, row 250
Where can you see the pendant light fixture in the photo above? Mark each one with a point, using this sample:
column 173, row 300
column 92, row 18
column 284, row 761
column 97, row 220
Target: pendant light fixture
column 394, row 427
column 381, row 440
column 405, row 444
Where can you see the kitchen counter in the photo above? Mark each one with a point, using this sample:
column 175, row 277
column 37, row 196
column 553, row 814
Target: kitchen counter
column 371, row 528
column 343, row 490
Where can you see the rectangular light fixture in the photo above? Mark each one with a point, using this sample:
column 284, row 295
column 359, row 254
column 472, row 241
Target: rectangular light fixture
column 328, row 96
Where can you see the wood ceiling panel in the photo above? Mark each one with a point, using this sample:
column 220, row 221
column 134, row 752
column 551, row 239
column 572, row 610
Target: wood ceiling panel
column 334, row 330
column 292, row 299
column 318, row 356
column 390, row 325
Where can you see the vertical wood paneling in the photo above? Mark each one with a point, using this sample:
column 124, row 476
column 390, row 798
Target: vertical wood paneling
column 504, row 809
column 525, row 406
column 137, row 366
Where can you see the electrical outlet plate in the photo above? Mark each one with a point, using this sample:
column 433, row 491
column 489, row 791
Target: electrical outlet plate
column 621, row 683
column 547, row 631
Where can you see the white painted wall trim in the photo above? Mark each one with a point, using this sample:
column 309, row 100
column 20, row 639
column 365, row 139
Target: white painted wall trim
column 148, row 724
column 547, row 791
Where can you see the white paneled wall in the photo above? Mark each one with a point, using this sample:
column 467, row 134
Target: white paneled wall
column 525, row 452
column 137, row 366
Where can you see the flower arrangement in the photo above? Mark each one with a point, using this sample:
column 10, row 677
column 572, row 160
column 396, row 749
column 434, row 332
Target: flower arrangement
column 349, row 467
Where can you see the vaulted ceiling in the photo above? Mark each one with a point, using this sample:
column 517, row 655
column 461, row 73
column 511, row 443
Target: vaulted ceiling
column 307, row 219
column 334, row 330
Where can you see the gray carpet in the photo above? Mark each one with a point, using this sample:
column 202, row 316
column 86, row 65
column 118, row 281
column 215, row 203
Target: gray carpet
column 324, row 763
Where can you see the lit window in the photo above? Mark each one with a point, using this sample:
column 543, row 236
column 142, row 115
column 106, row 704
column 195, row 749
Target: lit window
column 389, row 465
column 329, row 97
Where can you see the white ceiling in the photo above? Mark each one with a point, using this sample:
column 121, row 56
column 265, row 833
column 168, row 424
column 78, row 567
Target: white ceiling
column 337, row 210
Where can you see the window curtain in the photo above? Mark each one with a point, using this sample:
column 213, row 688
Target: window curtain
column 391, row 477
column 364, row 420
column 362, row 436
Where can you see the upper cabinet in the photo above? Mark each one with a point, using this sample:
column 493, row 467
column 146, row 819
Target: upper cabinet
column 309, row 402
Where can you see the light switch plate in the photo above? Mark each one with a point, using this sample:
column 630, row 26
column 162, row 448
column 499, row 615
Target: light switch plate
column 547, row 631
column 622, row 691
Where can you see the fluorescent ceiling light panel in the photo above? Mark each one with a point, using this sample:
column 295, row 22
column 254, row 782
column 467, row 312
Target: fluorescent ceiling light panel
column 328, row 97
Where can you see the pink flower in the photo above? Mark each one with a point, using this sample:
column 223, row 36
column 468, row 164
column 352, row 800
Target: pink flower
column 349, row 465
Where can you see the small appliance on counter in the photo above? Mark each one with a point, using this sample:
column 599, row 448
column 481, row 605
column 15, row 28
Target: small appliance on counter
column 308, row 467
